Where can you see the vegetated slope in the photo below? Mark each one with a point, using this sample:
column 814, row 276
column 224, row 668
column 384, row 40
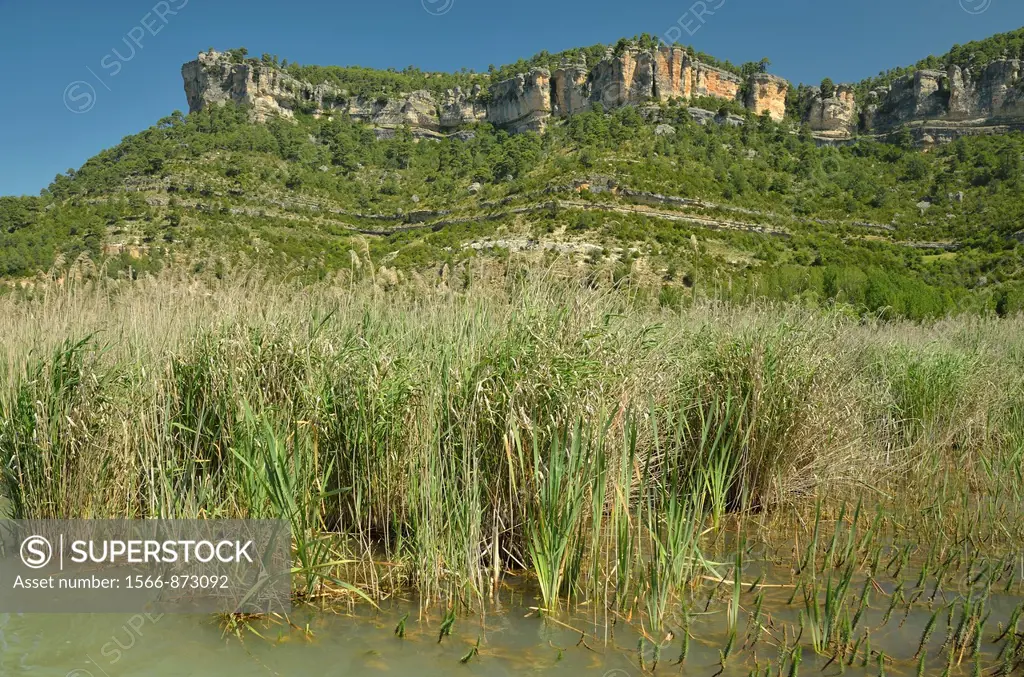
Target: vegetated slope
column 736, row 211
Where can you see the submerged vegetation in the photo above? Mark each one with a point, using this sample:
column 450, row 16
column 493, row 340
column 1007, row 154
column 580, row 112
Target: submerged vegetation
column 810, row 478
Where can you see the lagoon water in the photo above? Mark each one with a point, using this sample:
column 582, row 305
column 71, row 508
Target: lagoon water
column 512, row 642
column 337, row 645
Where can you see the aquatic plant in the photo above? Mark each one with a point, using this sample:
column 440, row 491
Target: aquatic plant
column 624, row 457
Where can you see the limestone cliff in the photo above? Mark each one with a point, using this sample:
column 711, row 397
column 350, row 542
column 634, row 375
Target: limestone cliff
column 525, row 102
column 834, row 115
column 631, row 77
column 936, row 105
column 569, row 92
column 214, row 78
column 767, row 94
column 522, row 103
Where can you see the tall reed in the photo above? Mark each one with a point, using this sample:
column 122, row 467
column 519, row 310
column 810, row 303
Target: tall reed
column 437, row 439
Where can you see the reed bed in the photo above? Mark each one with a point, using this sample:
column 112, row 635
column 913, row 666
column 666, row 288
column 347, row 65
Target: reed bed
column 648, row 464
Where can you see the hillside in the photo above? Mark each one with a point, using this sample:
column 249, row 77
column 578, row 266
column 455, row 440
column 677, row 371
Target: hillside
column 696, row 194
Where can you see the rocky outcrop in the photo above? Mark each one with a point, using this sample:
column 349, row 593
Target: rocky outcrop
column 962, row 96
column 671, row 67
column 421, row 111
column 835, row 115
column 920, row 95
column 523, row 103
column 709, row 81
column 569, row 91
column 457, row 108
column 938, row 106
column 214, row 78
column 767, row 94
column 1001, row 89
column 618, row 80
column 632, row 77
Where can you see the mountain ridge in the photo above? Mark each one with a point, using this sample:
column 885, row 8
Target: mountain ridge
column 977, row 92
column 525, row 102
column 688, row 197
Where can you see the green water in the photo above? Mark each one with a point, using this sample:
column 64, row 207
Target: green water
column 512, row 642
column 56, row 646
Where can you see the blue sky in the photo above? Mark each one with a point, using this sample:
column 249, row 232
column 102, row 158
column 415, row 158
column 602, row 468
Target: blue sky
column 61, row 51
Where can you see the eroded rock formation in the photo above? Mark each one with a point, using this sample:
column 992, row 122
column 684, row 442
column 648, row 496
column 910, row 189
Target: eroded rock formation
column 938, row 105
column 214, row 79
column 637, row 77
column 525, row 102
column 767, row 94
column 522, row 103
column 834, row 115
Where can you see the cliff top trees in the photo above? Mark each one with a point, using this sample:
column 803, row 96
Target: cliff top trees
column 753, row 67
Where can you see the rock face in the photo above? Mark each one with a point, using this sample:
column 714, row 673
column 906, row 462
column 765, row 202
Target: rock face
column 834, row 115
column 523, row 103
column 632, row 77
column 671, row 69
column 419, row 111
column 569, row 90
column 708, row 81
column 920, row 95
column 214, row 79
column 1000, row 89
column 940, row 105
column 767, row 94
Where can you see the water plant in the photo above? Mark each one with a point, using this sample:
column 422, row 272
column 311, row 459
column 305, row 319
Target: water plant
column 677, row 473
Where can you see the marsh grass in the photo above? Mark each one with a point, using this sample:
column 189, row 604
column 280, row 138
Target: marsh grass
column 561, row 477
column 427, row 439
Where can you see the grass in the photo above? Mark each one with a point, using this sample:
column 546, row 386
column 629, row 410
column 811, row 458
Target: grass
column 626, row 456
column 561, row 481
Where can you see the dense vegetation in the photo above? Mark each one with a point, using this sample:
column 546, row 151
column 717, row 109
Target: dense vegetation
column 671, row 472
column 878, row 228
column 674, row 376
column 199, row 168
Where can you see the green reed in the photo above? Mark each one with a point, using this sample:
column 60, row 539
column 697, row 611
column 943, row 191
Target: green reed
column 437, row 440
